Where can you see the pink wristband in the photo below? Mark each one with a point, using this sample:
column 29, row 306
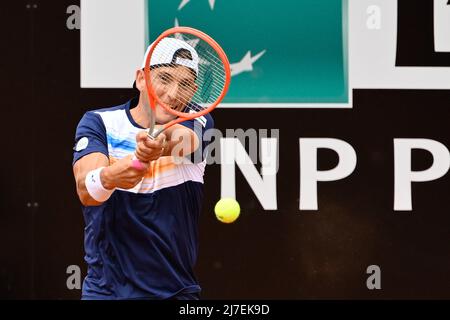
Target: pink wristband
column 136, row 164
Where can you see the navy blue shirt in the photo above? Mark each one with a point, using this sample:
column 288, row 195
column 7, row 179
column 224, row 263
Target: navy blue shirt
column 142, row 242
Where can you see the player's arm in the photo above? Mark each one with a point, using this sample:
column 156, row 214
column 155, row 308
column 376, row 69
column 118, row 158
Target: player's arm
column 80, row 170
column 96, row 179
column 180, row 141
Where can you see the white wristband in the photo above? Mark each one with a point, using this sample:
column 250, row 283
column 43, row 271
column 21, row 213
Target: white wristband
column 94, row 186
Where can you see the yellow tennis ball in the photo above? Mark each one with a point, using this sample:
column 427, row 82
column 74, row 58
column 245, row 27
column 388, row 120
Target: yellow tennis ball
column 227, row 210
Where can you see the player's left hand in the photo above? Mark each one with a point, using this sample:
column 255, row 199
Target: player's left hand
column 148, row 149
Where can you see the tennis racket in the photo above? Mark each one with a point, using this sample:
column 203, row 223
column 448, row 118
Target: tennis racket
column 187, row 74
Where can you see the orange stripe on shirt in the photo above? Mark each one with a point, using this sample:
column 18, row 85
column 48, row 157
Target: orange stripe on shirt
column 157, row 167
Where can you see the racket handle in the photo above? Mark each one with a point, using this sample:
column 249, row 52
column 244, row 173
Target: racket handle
column 155, row 133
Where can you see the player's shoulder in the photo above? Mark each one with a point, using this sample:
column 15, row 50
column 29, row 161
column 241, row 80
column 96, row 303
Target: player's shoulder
column 209, row 118
column 108, row 109
column 99, row 115
column 206, row 120
column 97, row 118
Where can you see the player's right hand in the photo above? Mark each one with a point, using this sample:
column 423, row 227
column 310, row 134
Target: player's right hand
column 123, row 174
column 148, row 149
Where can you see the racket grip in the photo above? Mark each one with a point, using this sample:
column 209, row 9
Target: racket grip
column 154, row 134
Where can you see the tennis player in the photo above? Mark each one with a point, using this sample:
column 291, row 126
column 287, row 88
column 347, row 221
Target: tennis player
column 141, row 224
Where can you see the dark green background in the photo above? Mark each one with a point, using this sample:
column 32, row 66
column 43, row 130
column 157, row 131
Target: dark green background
column 305, row 61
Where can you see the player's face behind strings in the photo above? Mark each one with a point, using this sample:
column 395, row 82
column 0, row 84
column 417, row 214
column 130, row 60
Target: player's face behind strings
column 174, row 85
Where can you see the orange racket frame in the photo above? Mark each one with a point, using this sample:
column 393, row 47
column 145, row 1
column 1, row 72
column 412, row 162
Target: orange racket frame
column 153, row 98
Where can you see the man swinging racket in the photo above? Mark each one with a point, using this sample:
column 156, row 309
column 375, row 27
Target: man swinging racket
column 141, row 205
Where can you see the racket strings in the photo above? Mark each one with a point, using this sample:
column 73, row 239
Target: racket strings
column 193, row 94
